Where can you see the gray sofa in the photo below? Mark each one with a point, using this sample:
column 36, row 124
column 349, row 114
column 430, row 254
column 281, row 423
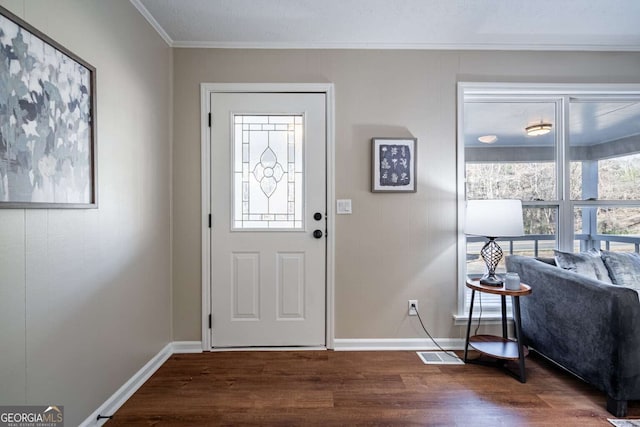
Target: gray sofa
column 588, row 327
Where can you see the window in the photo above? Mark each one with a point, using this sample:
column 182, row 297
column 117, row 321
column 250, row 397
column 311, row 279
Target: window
column 579, row 182
column 268, row 172
column 604, row 151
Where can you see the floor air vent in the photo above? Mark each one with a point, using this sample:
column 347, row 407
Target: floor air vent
column 439, row 358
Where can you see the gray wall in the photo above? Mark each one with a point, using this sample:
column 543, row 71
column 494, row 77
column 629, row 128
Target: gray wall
column 378, row 93
column 85, row 295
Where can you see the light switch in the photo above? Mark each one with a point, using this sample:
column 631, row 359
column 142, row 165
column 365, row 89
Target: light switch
column 343, row 207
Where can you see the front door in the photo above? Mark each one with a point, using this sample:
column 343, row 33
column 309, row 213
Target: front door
column 268, row 205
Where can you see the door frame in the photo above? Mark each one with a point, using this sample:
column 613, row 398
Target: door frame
column 206, row 90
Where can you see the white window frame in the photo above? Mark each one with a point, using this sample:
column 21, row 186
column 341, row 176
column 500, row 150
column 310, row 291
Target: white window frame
column 562, row 95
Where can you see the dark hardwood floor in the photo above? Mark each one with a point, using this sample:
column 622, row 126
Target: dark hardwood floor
column 357, row 388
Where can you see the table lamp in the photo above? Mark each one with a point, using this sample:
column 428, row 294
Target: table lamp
column 492, row 219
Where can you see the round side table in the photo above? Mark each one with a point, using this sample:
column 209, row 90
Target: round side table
column 501, row 348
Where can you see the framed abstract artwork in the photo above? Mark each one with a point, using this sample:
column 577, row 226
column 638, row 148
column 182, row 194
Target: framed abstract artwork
column 393, row 168
column 47, row 121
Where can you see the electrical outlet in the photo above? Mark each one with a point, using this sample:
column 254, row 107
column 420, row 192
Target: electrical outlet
column 413, row 307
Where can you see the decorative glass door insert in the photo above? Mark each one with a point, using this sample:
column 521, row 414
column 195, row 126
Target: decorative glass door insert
column 268, row 172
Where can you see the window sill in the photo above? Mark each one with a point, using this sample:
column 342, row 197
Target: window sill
column 494, row 318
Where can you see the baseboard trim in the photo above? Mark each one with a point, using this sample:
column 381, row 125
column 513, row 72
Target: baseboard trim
column 117, row 399
column 409, row 344
column 181, row 347
column 223, row 349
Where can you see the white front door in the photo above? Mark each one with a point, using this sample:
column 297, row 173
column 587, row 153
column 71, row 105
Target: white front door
column 268, row 197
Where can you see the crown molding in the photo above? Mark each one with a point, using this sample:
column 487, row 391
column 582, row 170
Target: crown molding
column 151, row 20
column 408, row 46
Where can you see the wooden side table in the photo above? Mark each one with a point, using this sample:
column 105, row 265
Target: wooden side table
column 501, row 348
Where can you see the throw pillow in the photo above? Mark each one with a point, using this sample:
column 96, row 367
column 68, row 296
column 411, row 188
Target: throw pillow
column 586, row 263
column 624, row 268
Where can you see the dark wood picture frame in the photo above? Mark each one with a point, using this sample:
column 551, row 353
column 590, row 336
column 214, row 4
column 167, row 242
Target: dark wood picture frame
column 393, row 165
column 48, row 148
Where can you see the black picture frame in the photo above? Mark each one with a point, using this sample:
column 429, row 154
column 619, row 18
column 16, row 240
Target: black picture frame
column 393, row 165
column 48, row 147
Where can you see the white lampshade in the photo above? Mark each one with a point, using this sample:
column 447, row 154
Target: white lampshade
column 494, row 218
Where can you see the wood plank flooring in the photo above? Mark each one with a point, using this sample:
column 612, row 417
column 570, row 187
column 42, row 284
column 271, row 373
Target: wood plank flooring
column 307, row 388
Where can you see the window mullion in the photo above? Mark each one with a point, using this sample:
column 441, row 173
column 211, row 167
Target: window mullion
column 565, row 209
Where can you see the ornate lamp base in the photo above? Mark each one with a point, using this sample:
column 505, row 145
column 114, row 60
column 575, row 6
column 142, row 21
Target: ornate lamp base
column 491, row 254
column 491, row 280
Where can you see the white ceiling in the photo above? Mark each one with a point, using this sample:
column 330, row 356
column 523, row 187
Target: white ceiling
column 400, row 24
column 611, row 25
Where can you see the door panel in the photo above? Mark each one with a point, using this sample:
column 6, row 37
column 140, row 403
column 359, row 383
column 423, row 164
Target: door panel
column 246, row 286
column 268, row 178
column 290, row 285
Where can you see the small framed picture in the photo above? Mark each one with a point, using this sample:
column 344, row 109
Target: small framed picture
column 393, row 168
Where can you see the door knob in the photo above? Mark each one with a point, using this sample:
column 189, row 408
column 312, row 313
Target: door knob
column 317, row 234
column 317, row 216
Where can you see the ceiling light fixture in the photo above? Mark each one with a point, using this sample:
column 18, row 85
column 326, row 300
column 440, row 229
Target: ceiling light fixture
column 488, row 139
column 538, row 129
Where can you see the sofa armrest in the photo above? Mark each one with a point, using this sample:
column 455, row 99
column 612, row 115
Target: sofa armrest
column 589, row 327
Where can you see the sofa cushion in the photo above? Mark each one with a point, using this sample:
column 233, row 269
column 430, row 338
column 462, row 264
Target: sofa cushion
column 588, row 264
column 624, row 268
